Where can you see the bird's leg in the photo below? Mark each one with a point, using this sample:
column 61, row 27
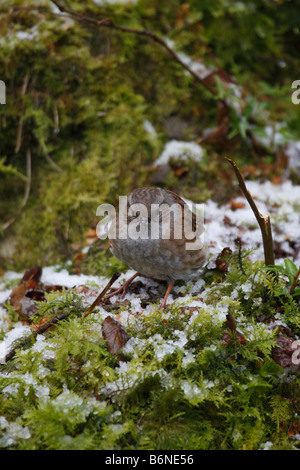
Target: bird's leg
column 123, row 288
column 163, row 304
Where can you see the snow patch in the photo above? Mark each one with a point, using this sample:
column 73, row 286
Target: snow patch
column 180, row 150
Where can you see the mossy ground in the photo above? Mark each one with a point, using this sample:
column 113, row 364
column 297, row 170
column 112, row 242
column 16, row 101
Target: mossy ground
column 78, row 97
column 182, row 381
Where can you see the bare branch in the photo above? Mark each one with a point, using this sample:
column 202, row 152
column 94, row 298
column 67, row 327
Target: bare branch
column 35, row 331
column 28, row 182
column 101, row 295
column 20, row 127
column 9, row 222
column 52, row 163
column 295, row 282
column 108, row 23
column 263, row 220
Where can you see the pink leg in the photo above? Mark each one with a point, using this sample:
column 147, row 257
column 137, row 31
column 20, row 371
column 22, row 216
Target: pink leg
column 123, row 288
column 163, row 304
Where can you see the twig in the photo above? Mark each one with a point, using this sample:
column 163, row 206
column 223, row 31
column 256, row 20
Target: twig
column 108, row 23
column 56, row 319
column 295, row 282
column 9, row 222
column 20, row 127
column 140, row 419
column 52, row 163
column 263, row 220
column 21, row 344
column 28, row 182
column 53, row 321
column 191, row 27
column 139, row 32
column 35, row 332
column 239, row 244
column 101, row 295
column 231, row 325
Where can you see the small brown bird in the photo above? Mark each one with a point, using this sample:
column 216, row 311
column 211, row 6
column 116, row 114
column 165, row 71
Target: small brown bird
column 156, row 234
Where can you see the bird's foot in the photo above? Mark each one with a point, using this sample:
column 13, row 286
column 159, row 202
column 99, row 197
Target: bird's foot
column 123, row 289
column 164, row 302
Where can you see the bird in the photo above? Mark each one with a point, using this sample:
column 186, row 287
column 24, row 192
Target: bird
column 156, row 234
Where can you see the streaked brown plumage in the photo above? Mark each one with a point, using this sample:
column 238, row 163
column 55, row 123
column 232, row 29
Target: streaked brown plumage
column 162, row 254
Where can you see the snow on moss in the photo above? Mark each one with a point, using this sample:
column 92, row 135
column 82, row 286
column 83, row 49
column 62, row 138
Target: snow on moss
column 180, row 150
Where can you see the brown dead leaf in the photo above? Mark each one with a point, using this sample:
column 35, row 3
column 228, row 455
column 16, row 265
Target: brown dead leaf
column 23, row 297
column 90, row 233
column 227, row 221
column 230, row 324
column 234, row 205
column 294, row 428
column 282, row 159
column 36, row 326
column 282, row 353
column 32, row 274
column 180, row 171
column 189, row 310
column 114, row 334
column 87, row 291
column 276, row 179
column 19, row 301
column 221, row 261
column 90, row 236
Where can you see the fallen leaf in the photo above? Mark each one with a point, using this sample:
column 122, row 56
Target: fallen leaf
column 221, row 263
column 35, row 326
column 23, row 297
column 87, row 291
column 90, row 233
column 276, row 179
column 35, row 294
column 114, row 334
column 32, row 274
column 227, row 221
column 180, row 171
column 219, row 134
column 282, row 353
column 20, row 302
column 294, row 428
column 27, row 307
column 234, row 205
column 230, row 324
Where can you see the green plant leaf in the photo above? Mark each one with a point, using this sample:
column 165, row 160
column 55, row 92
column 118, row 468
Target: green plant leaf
column 279, row 269
column 290, row 266
column 296, row 292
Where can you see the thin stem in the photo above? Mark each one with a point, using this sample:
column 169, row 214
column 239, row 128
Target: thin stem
column 263, row 220
column 295, row 282
column 101, row 295
column 9, row 222
column 28, row 182
column 108, row 23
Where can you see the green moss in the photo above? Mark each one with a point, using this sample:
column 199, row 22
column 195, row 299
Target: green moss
column 77, row 98
column 83, row 112
column 68, row 392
